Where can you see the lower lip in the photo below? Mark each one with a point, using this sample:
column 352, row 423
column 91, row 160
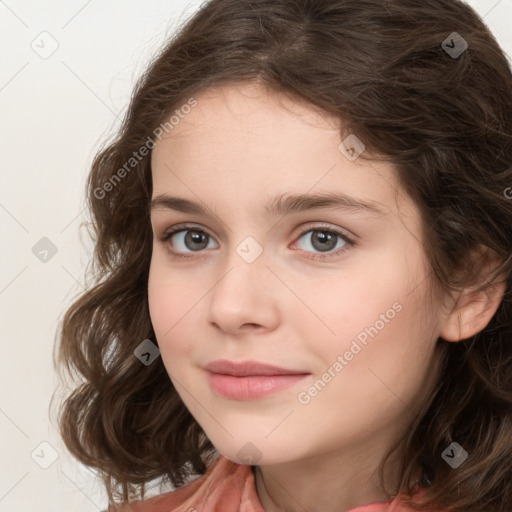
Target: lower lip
column 250, row 388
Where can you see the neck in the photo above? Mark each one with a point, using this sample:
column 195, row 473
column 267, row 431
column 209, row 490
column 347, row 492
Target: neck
column 290, row 487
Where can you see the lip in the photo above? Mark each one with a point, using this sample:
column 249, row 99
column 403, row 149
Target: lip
column 250, row 380
column 248, row 368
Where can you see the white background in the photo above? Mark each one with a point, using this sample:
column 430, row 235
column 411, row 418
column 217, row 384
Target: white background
column 54, row 113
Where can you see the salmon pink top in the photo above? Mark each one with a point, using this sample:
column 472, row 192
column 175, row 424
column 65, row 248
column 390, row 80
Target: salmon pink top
column 229, row 487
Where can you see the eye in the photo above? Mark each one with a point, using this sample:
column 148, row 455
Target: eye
column 324, row 239
column 190, row 239
column 193, row 239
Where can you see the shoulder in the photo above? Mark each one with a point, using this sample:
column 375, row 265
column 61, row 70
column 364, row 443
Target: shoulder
column 226, row 486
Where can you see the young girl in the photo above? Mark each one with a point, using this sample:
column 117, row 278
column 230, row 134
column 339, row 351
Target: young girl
column 303, row 267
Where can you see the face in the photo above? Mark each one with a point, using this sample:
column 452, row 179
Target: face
column 336, row 293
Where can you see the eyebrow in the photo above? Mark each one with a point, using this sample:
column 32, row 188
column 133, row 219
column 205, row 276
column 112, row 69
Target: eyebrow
column 277, row 205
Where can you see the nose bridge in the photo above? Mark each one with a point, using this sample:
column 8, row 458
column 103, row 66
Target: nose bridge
column 244, row 270
column 242, row 292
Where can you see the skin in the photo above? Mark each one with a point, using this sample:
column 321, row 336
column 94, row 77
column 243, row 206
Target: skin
column 237, row 148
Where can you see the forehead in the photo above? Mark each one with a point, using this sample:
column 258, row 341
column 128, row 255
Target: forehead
column 244, row 143
column 246, row 115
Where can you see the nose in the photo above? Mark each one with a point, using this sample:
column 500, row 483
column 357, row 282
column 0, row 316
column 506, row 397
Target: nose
column 244, row 297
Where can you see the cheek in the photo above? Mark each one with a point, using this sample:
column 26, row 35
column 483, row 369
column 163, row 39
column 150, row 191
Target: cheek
column 376, row 320
column 170, row 304
column 341, row 307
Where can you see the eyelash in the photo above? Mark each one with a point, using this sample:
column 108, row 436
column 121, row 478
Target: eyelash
column 324, row 229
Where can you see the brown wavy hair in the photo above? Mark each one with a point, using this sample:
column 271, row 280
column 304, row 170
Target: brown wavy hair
column 444, row 121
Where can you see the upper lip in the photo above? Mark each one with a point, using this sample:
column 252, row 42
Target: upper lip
column 245, row 368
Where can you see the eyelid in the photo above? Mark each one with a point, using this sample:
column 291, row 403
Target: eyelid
column 309, row 226
column 173, row 230
column 319, row 225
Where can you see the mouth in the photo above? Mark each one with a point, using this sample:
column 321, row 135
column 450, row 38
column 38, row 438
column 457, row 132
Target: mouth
column 250, row 380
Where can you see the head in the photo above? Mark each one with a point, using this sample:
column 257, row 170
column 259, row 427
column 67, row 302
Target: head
column 414, row 294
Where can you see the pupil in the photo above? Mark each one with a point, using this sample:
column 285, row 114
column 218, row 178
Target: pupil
column 195, row 238
column 324, row 238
